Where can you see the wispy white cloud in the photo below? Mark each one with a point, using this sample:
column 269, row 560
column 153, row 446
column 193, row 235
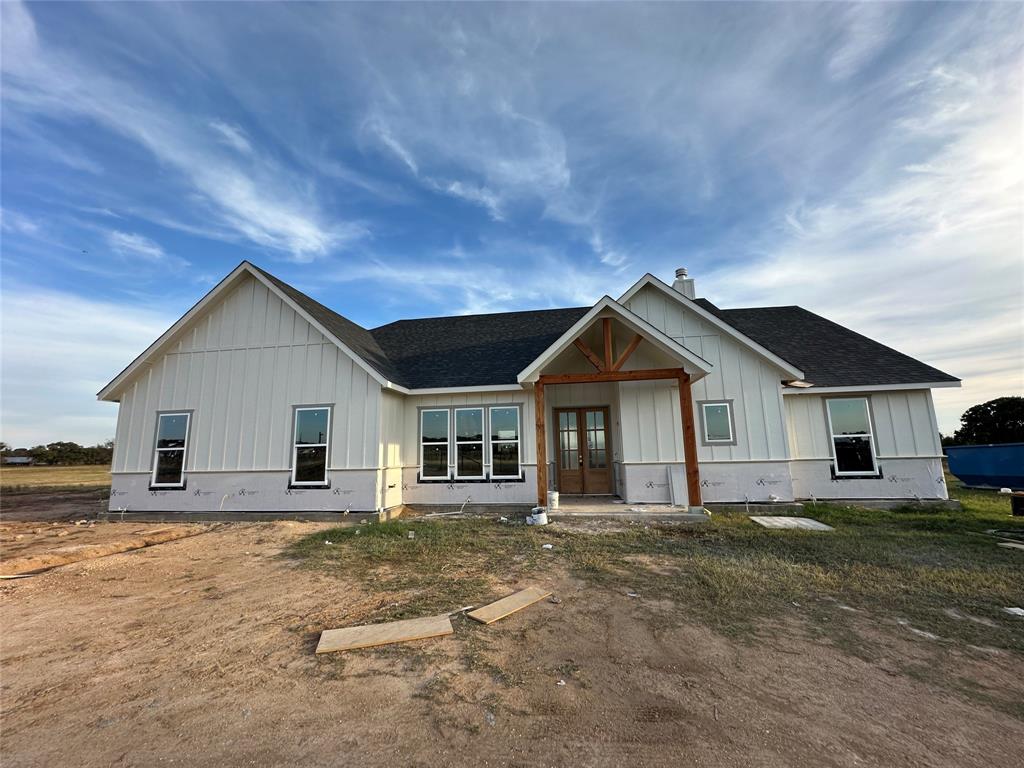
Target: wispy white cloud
column 132, row 245
column 930, row 257
column 261, row 200
column 52, row 396
column 12, row 221
column 865, row 29
column 231, row 135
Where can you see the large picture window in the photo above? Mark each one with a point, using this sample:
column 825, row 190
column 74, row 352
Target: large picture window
column 504, row 442
column 171, row 444
column 478, row 442
column 469, row 443
column 312, row 440
column 849, row 423
column 434, row 443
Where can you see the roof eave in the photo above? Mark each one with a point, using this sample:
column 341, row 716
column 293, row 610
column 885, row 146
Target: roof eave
column 836, row 390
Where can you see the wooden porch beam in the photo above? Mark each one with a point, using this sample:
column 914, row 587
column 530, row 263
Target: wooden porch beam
column 689, row 441
column 596, row 361
column 606, row 324
column 542, row 444
column 587, row 378
column 629, row 350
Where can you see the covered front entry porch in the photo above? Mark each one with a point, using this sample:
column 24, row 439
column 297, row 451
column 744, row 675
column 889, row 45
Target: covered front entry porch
column 577, row 435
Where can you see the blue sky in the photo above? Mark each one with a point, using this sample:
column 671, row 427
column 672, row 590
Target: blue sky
column 863, row 161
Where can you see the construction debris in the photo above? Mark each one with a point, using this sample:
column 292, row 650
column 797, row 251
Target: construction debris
column 371, row 635
column 489, row 614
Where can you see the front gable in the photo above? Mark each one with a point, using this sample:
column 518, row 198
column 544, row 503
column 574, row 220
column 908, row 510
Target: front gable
column 225, row 318
column 741, row 374
column 689, row 323
column 240, row 363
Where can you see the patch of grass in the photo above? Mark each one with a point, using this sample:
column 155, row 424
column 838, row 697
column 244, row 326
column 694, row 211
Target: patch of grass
column 910, row 564
column 31, row 479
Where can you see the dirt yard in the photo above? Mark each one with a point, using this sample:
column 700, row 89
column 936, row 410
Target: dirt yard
column 200, row 652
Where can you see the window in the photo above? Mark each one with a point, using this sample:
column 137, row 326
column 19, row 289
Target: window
column 171, row 442
column 849, row 424
column 505, row 442
column 434, row 443
column 309, row 455
column 469, row 443
column 471, row 440
column 716, row 423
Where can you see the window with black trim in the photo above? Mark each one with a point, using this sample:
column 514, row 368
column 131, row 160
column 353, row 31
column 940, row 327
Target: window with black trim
column 849, row 424
column 434, row 429
column 171, row 445
column 311, row 445
column 477, row 442
column 504, row 442
column 469, row 443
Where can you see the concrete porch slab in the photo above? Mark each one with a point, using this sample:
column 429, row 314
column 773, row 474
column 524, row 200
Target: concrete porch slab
column 781, row 521
column 612, row 508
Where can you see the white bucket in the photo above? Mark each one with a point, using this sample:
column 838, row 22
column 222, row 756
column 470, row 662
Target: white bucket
column 552, row 500
column 539, row 517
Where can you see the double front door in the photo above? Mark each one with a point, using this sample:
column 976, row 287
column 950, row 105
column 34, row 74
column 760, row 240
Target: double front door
column 584, row 450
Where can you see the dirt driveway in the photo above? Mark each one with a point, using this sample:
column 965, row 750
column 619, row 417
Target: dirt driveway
column 200, row 652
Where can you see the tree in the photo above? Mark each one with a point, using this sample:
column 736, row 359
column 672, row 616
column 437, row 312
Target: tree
column 997, row 421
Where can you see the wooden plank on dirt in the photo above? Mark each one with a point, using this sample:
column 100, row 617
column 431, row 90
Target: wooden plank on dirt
column 508, row 605
column 383, row 634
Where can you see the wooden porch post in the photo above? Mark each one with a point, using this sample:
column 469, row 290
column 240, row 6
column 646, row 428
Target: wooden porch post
column 689, row 441
column 542, row 445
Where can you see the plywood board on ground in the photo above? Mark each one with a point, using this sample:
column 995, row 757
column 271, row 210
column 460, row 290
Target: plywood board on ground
column 383, row 634
column 502, row 608
column 780, row 521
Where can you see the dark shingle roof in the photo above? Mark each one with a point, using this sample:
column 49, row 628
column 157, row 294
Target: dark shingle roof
column 828, row 354
column 480, row 350
column 357, row 338
column 472, row 350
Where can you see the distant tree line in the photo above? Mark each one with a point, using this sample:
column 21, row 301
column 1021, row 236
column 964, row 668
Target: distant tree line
column 63, row 453
column 997, row 421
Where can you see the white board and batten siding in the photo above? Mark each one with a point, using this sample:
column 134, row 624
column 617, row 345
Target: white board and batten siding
column 750, row 382
column 906, row 443
column 755, row 467
column 240, row 368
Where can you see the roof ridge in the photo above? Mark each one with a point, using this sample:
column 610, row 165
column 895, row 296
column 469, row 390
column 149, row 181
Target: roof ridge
column 477, row 314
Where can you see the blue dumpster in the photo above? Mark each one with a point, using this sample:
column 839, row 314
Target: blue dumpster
column 988, row 466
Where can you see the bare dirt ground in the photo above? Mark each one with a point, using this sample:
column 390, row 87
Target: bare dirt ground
column 200, row 652
column 52, row 506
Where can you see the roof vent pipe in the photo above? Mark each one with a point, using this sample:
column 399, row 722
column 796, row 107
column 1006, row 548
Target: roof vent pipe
column 684, row 284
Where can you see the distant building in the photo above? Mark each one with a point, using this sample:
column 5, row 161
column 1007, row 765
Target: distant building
column 19, row 460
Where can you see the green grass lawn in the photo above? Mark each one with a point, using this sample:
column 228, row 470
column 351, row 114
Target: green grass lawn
column 909, row 564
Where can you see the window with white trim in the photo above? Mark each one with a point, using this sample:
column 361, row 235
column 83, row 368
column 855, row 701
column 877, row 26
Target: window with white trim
column 716, row 423
column 311, row 445
column 849, row 425
column 504, row 442
column 469, row 443
column 171, row 445
column 434, row 430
